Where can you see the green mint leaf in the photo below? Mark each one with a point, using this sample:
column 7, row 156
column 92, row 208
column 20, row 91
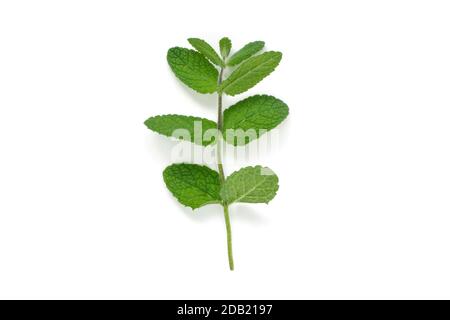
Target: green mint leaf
column 204, row 48
column 183, row 127
column 251, row 184
column 193, row 185
column 254, row 115
column 225, row 47
column 246, row 52
column 250, row 72
column 193, row 69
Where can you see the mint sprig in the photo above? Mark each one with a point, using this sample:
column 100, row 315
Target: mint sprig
column 202, row 70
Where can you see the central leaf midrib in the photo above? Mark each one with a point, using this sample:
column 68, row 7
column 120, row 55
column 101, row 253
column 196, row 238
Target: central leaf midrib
column 251, row 190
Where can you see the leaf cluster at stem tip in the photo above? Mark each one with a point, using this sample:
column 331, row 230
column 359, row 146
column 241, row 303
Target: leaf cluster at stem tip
column 201, row 69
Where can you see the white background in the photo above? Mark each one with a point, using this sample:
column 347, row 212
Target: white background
column 363, row 209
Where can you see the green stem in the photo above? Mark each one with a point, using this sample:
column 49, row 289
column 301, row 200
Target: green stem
column 229, row 241
column 221, row 173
